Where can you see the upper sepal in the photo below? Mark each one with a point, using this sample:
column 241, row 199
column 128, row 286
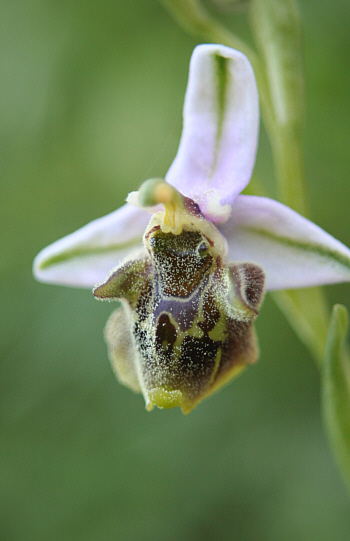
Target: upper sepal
column 219, row 139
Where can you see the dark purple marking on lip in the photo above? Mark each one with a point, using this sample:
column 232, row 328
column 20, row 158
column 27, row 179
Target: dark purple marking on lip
column 182, row 310
column 166, row 335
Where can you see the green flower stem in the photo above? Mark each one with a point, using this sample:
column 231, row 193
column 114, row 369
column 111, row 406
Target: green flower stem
column 307, row 312
column 197, row 21
column 276, row 29
column 289, row 163
column 336, row 390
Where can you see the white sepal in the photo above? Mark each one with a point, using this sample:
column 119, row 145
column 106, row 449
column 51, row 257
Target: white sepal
column 293, row 251
column 86, row 256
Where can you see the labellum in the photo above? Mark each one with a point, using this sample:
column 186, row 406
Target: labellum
column 185, row 325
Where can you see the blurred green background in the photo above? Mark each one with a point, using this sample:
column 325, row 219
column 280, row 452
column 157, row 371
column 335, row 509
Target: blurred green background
column 91, row 104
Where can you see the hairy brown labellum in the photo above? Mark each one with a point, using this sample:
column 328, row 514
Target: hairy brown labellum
column 185, row 325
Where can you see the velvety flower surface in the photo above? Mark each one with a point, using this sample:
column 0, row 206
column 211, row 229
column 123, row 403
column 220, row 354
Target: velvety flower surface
column 213, row 165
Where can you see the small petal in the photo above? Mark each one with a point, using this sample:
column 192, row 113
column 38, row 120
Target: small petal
column 221, row 119
column 293, row 251
column 85, row 257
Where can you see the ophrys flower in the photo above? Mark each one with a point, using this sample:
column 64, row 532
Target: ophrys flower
column 192, row 290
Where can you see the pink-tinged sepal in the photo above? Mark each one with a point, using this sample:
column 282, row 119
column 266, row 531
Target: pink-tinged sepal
column 217, row 150
column 293, row 251
column 85, row 257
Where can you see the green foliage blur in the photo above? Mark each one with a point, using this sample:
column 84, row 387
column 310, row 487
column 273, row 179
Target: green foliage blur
column 92, row 94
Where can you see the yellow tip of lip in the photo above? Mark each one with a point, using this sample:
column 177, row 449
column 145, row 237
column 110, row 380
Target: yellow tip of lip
column 164, row 398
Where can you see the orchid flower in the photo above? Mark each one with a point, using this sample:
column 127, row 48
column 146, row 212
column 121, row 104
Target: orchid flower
column 191, row 279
